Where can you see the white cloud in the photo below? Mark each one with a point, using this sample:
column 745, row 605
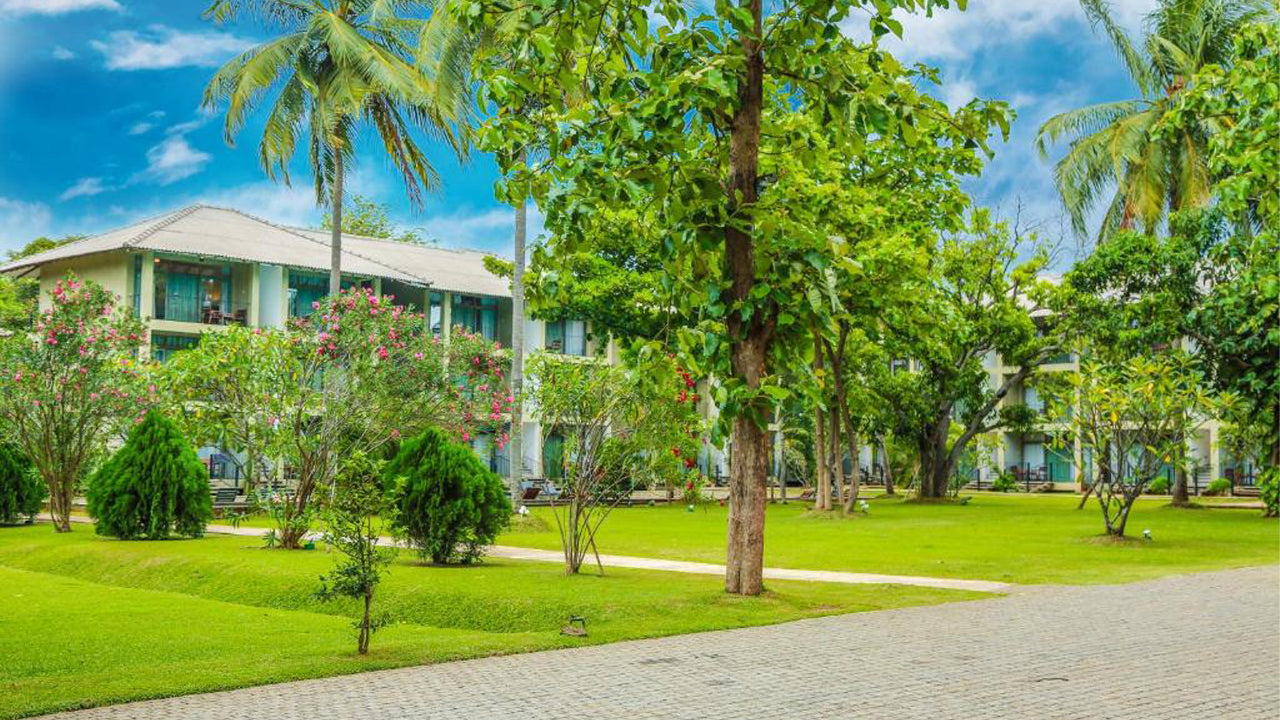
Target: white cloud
column 54, row 7
column 21, row 222
column 952, row 34
column 285, row 204
column 84, row 187
column 61, row 53
column 160, row 47
column 489, row 230
column 172, row 160
column 139, row 128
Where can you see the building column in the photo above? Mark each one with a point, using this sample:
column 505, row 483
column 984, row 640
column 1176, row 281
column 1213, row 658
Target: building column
column 255, row 294
column 284, row 297
column 446, row 315
column 147, row 291
column 1215, row 455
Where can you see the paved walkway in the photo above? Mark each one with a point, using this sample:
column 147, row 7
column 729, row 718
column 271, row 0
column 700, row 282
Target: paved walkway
column 697, row 568
column 1199, row 646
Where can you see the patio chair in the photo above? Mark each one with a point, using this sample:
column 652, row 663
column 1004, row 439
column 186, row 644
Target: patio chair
column 530, row 493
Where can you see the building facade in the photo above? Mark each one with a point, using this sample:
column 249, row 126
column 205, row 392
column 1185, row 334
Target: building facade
column 201, row 269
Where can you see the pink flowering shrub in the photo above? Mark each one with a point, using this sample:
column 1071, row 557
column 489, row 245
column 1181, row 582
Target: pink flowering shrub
column 359, row 374
column 68, row 384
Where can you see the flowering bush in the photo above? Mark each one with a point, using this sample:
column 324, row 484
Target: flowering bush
column 356, row 376
column 65, row 387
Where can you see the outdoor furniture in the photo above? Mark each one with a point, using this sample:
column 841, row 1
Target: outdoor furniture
column 530, row 493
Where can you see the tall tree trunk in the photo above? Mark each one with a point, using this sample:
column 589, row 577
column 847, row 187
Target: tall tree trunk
column 822, row 496
column 837, row 462
column 1180, row 495
column 888, row 469
column 335, row 234
column 749, row 338
column 516, row 447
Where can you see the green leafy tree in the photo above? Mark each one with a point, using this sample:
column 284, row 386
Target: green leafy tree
column 339, row 64
column 649, row 104
column 222, row 390
column 976, row 301
column 21, row 492
column 1137, row 417
column 622, row 428
column 1116, row 144
column 363, row 216
column 351, row 527
column 447, row 504
column 19, row 297
column 152, row 486
column 65, row 387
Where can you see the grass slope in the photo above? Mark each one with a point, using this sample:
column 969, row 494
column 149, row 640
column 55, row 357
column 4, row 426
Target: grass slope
column 86, row 620
column 1008, row 538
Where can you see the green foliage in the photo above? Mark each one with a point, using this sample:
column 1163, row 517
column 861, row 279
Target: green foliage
column 21, row 491
column 1138, row 417
column 1221, row 486
column 447, row 503
column 1159, row 486
column 152, row 486
column 351, row 527
column 334, row 67
column 623, row 427
column 1269, row 491
column 367, row 217
column 1005, row 482
column 1120, row 144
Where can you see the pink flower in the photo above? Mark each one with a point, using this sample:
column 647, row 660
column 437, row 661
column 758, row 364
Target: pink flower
column 417, row 356
column 466, row 436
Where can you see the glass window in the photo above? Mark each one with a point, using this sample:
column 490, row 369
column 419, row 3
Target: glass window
column 476, row 315
column 189, row 292
column 308, row 288
column 553, row 456
column 567, row 336
column 163, row 345
column 436, row 315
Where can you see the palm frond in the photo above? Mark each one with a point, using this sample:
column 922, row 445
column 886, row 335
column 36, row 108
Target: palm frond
column 1099, row 14
column 1084, row 121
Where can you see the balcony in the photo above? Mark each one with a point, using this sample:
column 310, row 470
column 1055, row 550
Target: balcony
column 200, row 293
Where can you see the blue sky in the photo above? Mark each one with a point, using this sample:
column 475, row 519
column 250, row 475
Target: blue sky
column 100, row 122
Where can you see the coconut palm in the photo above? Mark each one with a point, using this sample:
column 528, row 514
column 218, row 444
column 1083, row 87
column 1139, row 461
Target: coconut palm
column 1113, row 144
column 335, row 67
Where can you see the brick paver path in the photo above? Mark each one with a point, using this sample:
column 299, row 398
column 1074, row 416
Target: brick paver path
column 1198, row 646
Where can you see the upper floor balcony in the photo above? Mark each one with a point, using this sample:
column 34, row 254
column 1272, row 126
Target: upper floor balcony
column 197, row 292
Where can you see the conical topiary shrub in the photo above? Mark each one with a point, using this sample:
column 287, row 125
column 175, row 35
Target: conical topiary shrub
column 448, row 505
column 152, row 487
column 21, row 490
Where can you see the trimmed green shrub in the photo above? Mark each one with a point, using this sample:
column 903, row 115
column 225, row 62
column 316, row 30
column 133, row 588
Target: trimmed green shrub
column 1221, row 486
column 153, row 486
column 21, row 490
column 447, row 504
column 1159, row 486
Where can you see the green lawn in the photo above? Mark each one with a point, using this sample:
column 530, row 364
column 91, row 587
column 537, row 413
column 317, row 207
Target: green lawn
column 86, row 620
column 1010, row 538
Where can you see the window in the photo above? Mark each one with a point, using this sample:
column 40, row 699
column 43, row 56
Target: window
column 435, row 315
column 567, row 336
column 190, row 292
column 137, row 285
column 306, row 289
column 163, row 346
column 553, row 456
column 476, row 314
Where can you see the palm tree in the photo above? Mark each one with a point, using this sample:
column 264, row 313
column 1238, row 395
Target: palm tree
column 338, row 65
column 1113, row 145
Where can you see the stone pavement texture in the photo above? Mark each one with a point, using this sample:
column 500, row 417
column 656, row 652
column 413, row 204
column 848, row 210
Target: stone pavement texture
column 1198, row 646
